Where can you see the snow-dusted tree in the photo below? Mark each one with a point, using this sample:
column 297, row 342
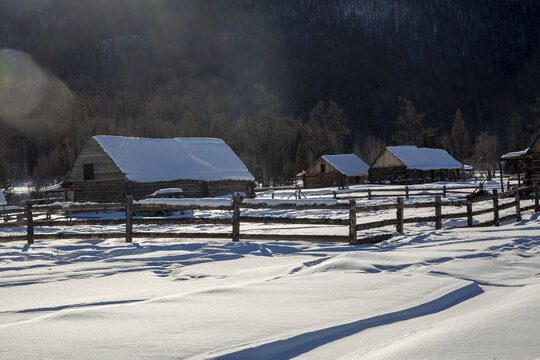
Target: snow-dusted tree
column 515, row 139
column 408, row 124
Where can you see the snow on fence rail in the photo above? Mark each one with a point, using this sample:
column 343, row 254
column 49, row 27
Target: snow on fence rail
column 32, row 216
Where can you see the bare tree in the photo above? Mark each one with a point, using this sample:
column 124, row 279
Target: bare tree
column 486, row 152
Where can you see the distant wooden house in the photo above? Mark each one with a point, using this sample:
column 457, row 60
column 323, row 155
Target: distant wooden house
column 410, row 165
column 335, row 170
column 110, row 167
column 527, row 162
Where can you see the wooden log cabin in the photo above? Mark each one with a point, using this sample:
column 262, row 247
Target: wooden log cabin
column 412, row 165
column 335, row 170
column 111, row 167
column 526, row 162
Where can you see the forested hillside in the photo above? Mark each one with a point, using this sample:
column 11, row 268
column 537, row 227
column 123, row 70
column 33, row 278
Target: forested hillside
column 281, row 81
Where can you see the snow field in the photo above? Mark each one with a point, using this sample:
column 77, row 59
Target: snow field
column 451, row 293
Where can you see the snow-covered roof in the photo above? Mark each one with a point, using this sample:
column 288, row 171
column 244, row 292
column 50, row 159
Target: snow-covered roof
column 520, row 154
column 150, row 160
column 2, row 200
column 347, row 164
column 515, row 154
column 424, row 158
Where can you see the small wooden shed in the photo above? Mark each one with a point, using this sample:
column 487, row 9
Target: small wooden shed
column 111, row 167
column 527, row 162
column 410, row 165
column 335, row 170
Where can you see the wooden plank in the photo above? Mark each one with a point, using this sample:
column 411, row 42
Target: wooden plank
column 79, row 207
column 418, row 205
column 507, row 205
column 236, row 218
column 376, row 208
column 95, row 222
column 183, row 221
column 454, row 215
column 518, row 207
column 13, row 224
column 373, row 239
column 20, row 210
column 481, row 212
column 376, row 224
column 152, row 207
column 399, row 215
column 507, row 218
column 457, row 203
column 29, row 223
column 496, row 207
column 352, row 222
column 287, row 237
column 300, row 221
column 13, row 238
column 183, row 235
column 63, row 235
column 420, row 219
column 284, row 206
column 438, row 222
column 129, row 218
column 469, row 212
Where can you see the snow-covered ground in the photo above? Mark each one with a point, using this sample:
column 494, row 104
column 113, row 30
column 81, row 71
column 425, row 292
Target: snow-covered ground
column 465, row 293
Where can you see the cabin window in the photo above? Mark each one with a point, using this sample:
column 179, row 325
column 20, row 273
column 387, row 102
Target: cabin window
column 88, row 172
column 323, row 168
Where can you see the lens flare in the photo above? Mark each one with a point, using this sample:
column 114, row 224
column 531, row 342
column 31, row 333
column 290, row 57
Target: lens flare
column 23, row 84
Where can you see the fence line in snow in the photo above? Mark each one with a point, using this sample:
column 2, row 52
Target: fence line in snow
column 32, row 216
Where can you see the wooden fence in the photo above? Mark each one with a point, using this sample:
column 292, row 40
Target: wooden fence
column 382, row 192
column 32, row 216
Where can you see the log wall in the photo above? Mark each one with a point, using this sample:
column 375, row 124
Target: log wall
column 106, row 191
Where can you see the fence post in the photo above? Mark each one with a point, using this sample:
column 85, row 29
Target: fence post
column 444, row 191
column 508, row 185
column 438, row 219
column 399, row 215
column 518, row 206
column 335, row 195
column 236, row 217
column 536, row 195
column 29, row 223
column 129, row 218
column 406, row 191
column 496, row 207
column 352, row 222
column 272, row 196
column 469, row 211
column 369, row 194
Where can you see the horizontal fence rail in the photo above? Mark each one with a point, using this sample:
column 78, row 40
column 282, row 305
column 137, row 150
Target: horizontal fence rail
column 32, row 216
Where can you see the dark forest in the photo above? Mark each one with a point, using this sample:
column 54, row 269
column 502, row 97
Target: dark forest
column 282, row 82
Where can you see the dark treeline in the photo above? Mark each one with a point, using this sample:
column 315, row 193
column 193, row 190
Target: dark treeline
column 281, row 81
